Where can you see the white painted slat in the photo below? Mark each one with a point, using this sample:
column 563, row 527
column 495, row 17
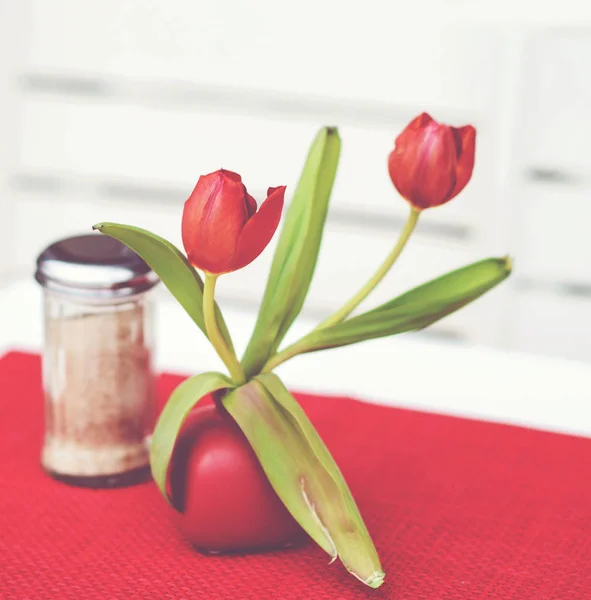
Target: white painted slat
column 556, row 127
column 347, row 260
column 44, row 218
column 554, row 243
column 329, row 49
column 552, row 324
column 144, row 145
column 13, row 28
column 140, row 143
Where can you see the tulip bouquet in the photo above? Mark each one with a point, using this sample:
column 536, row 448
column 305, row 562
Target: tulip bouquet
column 242, row 472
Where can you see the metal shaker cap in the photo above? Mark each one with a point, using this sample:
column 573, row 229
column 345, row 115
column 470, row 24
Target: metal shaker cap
column 93, row 266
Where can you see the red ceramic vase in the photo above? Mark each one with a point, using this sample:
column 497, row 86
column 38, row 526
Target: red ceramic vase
column 225, row 502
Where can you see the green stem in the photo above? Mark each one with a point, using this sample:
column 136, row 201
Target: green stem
column 214, row 334
column 347, row 308
column 289, row 352
column 353, row 303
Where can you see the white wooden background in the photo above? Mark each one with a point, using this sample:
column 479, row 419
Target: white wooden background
column 111, row 111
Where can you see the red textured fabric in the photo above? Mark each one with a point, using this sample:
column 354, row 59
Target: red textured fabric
column 458, row 509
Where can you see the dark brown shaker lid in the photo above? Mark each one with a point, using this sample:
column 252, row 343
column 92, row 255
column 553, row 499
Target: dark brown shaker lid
column 93, row 265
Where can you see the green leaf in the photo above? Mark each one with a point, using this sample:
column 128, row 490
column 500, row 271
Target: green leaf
column 180, row 403
column 415, row 309
column 171, row 266
column 304, row 474
column 297, row 251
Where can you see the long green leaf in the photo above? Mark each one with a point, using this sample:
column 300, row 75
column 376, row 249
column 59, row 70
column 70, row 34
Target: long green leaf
column 304, row 475
column 355, row 547
column 181, row 401
column 171, row 266
column 297, row 251
column 415, row 309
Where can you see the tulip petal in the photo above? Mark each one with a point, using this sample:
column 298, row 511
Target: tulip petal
column 406, row 140
column 434, row 172
column 431, row 162
column 251, row 204
column 419, row 122
column 465, row 140
column 406, row 155
column 423, row 162
column 213, row 218
column 231, row 175
column 259, row 229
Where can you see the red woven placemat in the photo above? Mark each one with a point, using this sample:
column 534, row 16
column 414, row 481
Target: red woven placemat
column 458, row 509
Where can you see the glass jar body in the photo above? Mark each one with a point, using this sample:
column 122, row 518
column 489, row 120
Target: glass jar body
column 99, row 389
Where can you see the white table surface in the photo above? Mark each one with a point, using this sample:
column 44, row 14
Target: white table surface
column 478, row 382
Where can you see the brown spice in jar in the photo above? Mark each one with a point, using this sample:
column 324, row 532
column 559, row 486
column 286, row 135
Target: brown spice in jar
column 100, row 397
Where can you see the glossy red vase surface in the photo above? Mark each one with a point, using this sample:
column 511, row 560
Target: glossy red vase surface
column 225, row 502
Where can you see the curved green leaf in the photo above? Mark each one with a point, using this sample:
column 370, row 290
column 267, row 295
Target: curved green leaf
column 354, row 546
column 171, row 266
column 415, row 309
column 181, row 401
column 303, row 473
column 297, row 251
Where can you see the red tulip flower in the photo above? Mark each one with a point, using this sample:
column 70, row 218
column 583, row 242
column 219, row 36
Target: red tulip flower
column 221, row 228
column 431, row 162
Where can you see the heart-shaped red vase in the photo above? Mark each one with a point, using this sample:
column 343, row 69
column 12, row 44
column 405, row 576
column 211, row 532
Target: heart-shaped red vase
column 224, row 500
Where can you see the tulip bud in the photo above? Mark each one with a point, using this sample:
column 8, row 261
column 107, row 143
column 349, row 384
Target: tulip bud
column 221, row 228
column 431, row 163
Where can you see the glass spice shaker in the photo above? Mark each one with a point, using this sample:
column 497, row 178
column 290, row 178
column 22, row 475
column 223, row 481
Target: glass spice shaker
column 98, row 381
